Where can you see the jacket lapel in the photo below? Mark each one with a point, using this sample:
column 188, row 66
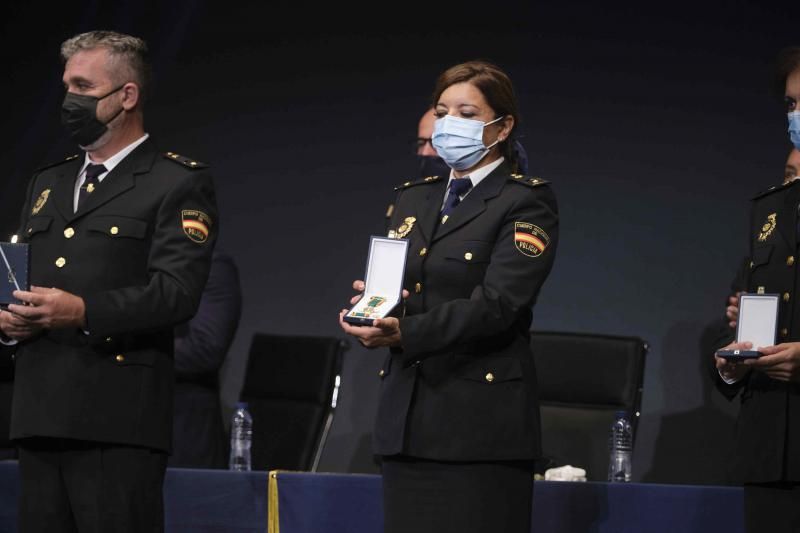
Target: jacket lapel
column 119, row 180
column 64, row 187
column 475, row 202
column 428, row 210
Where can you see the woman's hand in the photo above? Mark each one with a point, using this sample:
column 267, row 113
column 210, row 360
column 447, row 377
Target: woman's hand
column 732, row 311
column 383, row 332
column 781, row 362
column 733, row 370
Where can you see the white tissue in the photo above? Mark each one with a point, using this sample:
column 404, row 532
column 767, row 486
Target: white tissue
column 565, row 473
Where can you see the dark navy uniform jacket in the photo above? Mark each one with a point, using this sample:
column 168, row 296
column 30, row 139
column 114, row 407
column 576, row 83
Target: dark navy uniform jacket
column 138, row 251
column 463, row 384
column 767, row 442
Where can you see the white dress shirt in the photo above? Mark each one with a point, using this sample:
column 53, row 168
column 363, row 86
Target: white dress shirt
column 109, row 163
column 475, row 177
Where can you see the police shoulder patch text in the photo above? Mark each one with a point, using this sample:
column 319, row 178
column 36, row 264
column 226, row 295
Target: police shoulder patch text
column 196, row 225
column 530, row 239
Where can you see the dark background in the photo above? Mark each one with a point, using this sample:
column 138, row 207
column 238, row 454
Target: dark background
column 654, row 121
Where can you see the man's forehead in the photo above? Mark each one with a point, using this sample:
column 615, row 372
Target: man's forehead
column 83, row 61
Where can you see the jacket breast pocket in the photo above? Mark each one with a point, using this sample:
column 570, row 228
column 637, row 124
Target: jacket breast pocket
column 761, row 255
column 470, row 252
column 37, row 225
column 118, row 227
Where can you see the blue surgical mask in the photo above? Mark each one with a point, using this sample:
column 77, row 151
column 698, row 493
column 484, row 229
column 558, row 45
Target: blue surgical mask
column 459, row 141
column 794, row 128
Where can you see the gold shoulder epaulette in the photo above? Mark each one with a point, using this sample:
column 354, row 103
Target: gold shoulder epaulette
column 530, row 181
column 51, row 165
column 185, row 161
column 429, row 179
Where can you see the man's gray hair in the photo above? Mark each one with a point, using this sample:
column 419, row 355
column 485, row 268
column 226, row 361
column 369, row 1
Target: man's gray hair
column 128, row 56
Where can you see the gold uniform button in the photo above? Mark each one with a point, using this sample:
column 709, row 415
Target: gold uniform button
column 784, row 332
column 786, row 296
column 790, row 260
column 114, row 230
column 418, row 288
column 69, row 233
column 468, row 256
column 381, row 373
column 120, row 358
column 60, row 262
column 423, row 251
column 489, row 377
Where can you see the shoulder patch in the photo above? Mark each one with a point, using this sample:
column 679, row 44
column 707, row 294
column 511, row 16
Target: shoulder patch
column 185, row 161
column 429, row 179
column 51, row 165
column 774, row 188
column 530, row 181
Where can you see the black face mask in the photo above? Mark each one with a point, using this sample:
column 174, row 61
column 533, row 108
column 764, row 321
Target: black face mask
column 432, row 165
column 79, row 117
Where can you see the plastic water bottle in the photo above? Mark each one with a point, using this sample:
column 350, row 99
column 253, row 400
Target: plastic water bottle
column 620, row 444
column 241, row 439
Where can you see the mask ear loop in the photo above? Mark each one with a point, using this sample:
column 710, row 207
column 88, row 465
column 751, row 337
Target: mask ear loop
column 121, row 108
column 498, row 139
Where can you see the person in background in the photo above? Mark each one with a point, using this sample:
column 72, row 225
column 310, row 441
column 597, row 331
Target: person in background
column 200, row 349
column 458, row 418
column 766, row 455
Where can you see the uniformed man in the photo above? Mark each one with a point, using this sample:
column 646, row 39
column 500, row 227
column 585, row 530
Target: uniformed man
column 121, row 240
column 767, row 443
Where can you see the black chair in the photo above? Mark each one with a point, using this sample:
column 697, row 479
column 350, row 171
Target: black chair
column 583, row 381
column 291, row 386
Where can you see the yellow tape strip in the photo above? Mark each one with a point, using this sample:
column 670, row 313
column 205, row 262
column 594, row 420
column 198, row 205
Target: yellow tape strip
column 273, row 523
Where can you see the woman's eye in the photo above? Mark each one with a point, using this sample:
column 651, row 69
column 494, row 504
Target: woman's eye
column 791, row 104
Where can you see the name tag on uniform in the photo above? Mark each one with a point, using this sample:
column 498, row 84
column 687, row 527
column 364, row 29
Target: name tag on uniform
column 14, row 264
column 386, row 265
column 757, row 323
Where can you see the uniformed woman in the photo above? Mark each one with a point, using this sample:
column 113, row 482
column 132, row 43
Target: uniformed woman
column 458, row 418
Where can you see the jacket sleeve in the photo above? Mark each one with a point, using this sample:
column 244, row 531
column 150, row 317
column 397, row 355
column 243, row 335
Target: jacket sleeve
column 177, row 268
column 510, row 285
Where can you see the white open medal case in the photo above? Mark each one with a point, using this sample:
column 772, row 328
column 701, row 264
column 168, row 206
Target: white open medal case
column 757, row 323
column 386, row 265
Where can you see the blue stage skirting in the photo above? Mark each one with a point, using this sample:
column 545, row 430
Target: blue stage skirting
column 201, row 501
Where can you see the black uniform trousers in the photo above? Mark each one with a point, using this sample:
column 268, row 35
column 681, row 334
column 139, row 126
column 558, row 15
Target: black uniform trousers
column 772, row 507
column 424, row 496
column 76, row 486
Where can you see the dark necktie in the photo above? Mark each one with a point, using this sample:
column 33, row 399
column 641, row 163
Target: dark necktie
column 458, row 188
column 90, row 183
